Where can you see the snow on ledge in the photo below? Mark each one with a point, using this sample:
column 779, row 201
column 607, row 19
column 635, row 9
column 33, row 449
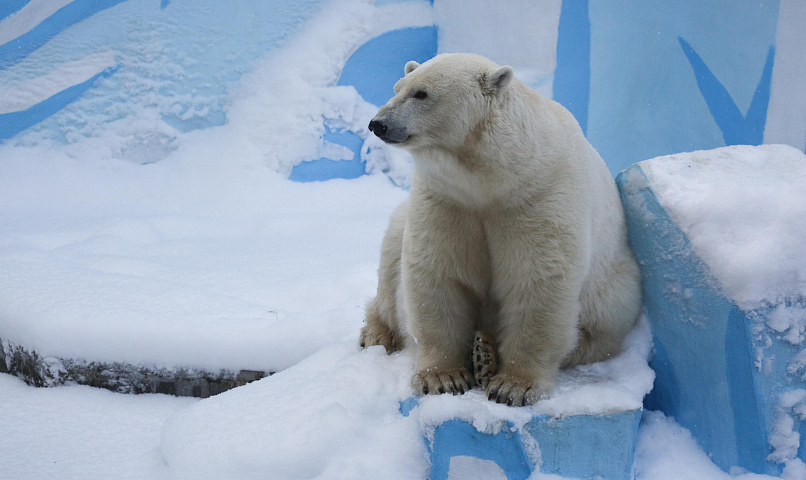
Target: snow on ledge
column 743, row 208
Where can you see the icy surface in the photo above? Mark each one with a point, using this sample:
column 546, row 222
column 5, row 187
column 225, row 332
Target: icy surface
column 744, row 210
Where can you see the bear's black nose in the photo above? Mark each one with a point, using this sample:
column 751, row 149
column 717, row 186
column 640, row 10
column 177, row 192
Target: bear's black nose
column 377, row 128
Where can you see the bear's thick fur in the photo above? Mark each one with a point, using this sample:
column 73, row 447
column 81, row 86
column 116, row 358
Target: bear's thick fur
column 513, row 227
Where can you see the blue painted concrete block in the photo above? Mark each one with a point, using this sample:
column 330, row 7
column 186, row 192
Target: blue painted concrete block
column 577, row 446
column 718, row 373
column 587, row 446
column 457, row 438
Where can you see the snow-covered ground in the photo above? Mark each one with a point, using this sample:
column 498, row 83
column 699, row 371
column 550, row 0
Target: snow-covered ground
column 262, row 431
column 198, row 261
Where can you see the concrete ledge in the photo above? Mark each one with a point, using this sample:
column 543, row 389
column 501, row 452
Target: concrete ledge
column 576, row 446
column 118, row 377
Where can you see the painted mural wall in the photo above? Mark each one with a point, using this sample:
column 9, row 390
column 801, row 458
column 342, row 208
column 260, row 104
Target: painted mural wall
column 642, row 78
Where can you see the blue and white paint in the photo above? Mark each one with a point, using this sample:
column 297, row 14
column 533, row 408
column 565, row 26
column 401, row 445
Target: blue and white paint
column 74, row 68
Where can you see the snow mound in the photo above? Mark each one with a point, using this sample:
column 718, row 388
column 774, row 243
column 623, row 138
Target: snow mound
column 334, row 415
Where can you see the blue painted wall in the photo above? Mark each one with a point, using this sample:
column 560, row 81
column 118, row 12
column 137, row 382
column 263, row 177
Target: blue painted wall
column 372, row 70
column 643, row 78
column 676, row 76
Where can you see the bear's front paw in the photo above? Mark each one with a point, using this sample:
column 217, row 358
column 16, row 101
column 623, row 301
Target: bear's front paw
column 516, row 390
column 376, row 333
column 442, row 380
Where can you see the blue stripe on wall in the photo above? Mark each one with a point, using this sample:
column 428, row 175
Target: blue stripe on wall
column 74, row 12
column 737, row 129
column 15, row 122
column 573, row 72
column 7, row 7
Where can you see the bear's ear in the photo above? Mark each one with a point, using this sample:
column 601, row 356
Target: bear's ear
column 495, row 82
column 410, row 66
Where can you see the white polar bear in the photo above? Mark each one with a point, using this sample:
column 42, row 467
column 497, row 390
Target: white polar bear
column 514, row 227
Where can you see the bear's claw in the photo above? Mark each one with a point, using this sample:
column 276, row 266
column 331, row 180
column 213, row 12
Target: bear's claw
column 437, row 381
column 514, row 390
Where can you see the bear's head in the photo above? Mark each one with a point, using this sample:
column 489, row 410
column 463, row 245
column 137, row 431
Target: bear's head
column 438, row 103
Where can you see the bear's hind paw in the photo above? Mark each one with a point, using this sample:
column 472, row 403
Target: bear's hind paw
column 485, row 361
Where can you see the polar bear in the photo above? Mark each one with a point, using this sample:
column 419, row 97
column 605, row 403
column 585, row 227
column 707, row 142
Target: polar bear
column 513, row 227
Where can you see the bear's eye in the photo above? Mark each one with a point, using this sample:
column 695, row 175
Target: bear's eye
column 420, row 95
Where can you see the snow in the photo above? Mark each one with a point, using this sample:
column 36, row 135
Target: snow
column 77, row 432
column 341, row 406
column 119, row 257
column 666, row 451
column 612, row 386
column 742, row 207
column 784, row 438
column 115, row 261
column 333, row 415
